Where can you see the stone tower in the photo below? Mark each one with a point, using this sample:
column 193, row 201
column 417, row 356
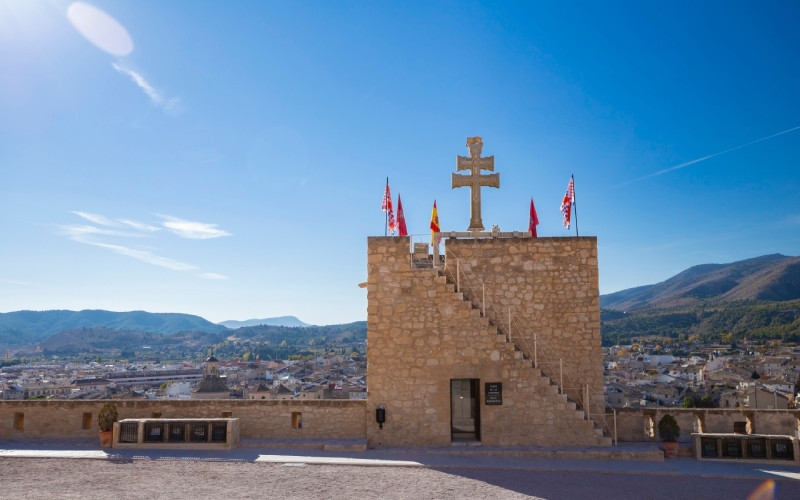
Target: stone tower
column 448, row 366
column 497, row 343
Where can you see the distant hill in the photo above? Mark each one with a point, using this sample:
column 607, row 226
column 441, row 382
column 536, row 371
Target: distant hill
column 757, row 298
column 279, row 321
column 22, row 327
column 102, row 339
column 264, row 341
column 767, row 278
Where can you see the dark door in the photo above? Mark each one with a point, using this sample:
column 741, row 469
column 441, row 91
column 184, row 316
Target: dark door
column 465, row 417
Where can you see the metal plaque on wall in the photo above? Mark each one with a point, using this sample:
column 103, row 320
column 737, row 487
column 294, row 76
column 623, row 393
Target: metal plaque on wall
column 493, row 393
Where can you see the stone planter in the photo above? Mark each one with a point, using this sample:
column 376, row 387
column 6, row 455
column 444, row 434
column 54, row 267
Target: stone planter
column 106, row 438
column 670, row 449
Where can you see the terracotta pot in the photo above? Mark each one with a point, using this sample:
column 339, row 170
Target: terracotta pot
column 105, row 438
column 670, row 448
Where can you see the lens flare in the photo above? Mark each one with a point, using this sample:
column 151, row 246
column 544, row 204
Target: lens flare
column 102, row 30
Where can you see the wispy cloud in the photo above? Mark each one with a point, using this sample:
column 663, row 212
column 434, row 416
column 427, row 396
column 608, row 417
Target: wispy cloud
column 212, row 276
column 140, row 226
column 96, row 219
column 192, row 230
column 704, row 158
column 102, row 231
column 146, row 256
column 15, row 282
column 86, row 232
column 170, row 105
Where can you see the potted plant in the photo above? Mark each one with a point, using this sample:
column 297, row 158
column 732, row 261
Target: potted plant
column 668, row 431
column 105, row 422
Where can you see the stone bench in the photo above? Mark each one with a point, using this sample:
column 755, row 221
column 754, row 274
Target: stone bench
column 746, row 447
column 179, row 433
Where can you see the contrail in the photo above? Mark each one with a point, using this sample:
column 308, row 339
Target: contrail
column 698, row 160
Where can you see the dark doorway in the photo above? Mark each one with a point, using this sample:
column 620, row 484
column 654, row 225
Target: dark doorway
column 464, row 414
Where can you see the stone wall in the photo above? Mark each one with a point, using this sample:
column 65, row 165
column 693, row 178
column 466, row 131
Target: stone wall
column 641, row 424
column 550, row 287
column 267, row 419
column 421, row 334
column 328, row 419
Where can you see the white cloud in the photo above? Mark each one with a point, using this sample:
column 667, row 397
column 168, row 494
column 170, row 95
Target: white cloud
column 140, row 226
column 212, row 276
column 101, row 233
column 84, row 234
column 148, row 257
column 192, row 230
column 171, row 105
column 97, row 219
column 14, row 282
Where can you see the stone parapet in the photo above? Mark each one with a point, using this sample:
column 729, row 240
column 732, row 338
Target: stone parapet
column 258, row 419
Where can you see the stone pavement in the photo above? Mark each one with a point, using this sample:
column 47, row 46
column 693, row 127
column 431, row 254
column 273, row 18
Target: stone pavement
column 634, row 458
column 327, row 470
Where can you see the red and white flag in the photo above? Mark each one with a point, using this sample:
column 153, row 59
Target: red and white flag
column 568, row 201
column 533, row 220
column 386, row 206
column 401, row 218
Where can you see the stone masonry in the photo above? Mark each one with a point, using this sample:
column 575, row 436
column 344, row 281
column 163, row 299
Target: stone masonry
column 421, row 333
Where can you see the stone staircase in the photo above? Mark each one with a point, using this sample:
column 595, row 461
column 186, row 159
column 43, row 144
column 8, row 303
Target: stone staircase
column 504, row 344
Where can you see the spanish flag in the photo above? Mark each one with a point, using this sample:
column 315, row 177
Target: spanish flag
column 435, row 230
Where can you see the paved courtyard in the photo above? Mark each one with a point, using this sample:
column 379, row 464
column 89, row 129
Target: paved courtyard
column 409, row 473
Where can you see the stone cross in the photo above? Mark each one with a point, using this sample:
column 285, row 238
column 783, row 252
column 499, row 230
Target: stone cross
column 474, row 180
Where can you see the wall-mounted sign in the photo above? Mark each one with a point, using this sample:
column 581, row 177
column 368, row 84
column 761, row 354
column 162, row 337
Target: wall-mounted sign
column 494, row 393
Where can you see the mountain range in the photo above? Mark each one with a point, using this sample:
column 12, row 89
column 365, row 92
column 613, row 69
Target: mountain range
column 773, row 277
column 279, row 321
column 756, row 298
column 31, row 327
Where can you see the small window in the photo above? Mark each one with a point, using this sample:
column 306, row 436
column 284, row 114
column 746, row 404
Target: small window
column 227, row 414
column 87, row 420
column 297, row 421
column 19, row 421
column 156, row 414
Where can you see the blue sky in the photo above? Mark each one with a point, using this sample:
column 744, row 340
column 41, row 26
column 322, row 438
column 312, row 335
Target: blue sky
column 228, row 159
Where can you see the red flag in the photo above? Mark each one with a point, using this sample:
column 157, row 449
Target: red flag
column 568, row 201
column 386, row 206
column 435, row 230
column 533, row 220
column 401, row 219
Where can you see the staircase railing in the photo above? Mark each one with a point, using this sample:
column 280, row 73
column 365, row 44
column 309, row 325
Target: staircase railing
column 525, row 339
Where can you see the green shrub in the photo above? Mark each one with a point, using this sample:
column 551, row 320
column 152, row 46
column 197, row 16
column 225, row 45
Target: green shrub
column 107, row 416
column 668, row 428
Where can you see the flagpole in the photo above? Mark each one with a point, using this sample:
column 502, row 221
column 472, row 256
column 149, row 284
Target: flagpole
column 386, row 222
column 574, row 204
